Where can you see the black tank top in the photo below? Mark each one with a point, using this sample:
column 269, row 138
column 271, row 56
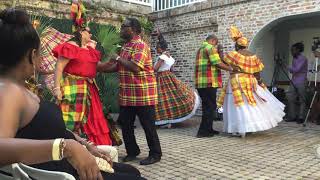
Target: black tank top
column 46, row 124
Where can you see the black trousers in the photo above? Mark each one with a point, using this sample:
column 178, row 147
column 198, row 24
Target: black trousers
column 146, row 116
column 209, row 105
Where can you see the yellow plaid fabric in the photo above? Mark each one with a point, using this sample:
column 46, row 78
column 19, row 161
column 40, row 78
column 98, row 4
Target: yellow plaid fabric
column 76, row 100
column 242, row 83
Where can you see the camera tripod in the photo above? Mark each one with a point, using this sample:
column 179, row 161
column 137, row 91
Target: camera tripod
column 315, row 94
column 280, row 69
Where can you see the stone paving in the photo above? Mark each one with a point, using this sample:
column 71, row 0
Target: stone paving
column 285, row 152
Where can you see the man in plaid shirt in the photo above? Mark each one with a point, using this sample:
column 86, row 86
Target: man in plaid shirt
column 138, row 91
column 208, row 79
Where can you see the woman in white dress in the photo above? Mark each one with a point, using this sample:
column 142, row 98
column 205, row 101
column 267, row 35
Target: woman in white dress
column 247, row 106
column 177, row 101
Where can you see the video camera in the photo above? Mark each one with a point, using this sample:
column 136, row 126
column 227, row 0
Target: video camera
column 315, row 44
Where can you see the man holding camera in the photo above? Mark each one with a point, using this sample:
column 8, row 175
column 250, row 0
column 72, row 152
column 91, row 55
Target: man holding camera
column 299, row 69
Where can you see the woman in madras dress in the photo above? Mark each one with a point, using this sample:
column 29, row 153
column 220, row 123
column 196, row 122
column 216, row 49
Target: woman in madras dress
column 76, row 90
column 247, row 106
column 177, row 101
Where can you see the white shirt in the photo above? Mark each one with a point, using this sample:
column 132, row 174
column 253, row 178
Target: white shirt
column 167, row 64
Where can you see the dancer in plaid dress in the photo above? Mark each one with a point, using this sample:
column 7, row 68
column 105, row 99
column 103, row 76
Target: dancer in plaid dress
column 247, row 107
column 75, row 86
column 176, row 101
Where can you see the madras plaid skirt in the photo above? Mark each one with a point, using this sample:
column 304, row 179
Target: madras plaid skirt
column 82, row 109
column 75, row 102
column 176, row 100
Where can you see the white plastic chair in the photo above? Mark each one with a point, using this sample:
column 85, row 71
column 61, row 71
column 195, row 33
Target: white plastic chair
column 21, row 171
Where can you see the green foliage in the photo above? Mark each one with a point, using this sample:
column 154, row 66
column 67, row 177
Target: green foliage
column 109, row 89
column 44, row 23
column 146, row 25
column 110, row 40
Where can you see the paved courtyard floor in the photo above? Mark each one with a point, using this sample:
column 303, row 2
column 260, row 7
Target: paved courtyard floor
column 285, row 152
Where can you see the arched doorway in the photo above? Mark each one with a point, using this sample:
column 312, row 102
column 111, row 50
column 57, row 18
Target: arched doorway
column 278, row 36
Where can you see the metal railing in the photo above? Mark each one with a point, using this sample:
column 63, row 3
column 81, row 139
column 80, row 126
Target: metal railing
column 143, row 2
column 160, row 5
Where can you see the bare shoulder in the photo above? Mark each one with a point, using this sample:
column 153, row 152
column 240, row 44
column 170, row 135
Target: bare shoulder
column 11, row 92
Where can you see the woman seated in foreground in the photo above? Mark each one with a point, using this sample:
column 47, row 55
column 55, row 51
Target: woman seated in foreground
column 33, row 131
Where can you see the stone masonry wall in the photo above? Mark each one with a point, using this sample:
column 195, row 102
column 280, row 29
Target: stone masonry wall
column 103, row 11
column 186, row 27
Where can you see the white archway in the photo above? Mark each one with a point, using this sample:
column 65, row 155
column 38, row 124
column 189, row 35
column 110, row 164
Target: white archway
column 277, row 36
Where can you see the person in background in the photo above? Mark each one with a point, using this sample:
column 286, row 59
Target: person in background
column 299, row 70
column 177, row 101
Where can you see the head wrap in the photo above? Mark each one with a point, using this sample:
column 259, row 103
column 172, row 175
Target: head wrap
column 237, row 37
column 78, row 15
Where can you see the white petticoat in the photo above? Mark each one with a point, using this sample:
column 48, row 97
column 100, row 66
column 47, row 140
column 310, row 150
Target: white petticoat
column 247, row 118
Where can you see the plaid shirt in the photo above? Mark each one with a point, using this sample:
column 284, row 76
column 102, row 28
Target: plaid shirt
column 242, row 83
column 137, row 89
column 207, row 74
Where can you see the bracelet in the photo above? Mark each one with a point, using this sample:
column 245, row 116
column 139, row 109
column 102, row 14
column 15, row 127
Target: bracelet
column 62, row 146
column 117, row 59
column 56, row 150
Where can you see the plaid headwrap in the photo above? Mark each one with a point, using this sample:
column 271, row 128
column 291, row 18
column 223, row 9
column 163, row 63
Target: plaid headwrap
column 137, row 89
column 75, row 103
column 237, row 37
column 242, row 83
column 206, row 73
column 78, row 15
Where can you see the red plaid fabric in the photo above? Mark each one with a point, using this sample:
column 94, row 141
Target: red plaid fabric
column 176, row 99
column 137, row 89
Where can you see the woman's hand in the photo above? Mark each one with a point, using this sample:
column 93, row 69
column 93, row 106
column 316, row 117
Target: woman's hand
column 100, row 153
column 57, row 93
column 84, row 162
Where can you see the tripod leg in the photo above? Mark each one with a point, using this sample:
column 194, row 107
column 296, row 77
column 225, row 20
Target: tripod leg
column 310, row 107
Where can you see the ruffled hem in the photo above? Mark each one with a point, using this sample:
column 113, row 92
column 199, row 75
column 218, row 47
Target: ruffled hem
column 193, row 112
column 248, row 118
column 97, row 128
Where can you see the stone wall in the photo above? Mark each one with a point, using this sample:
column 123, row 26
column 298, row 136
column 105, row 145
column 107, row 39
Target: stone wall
column 187, row 26
column 103, row 11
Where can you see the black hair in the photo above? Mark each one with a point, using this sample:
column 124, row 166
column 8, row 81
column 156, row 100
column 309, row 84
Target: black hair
column 299, row 46
column 17, row 37
column 135, row 25
column 211, row 36
column 77, row 37
column 239, row 47
column 162, row 43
